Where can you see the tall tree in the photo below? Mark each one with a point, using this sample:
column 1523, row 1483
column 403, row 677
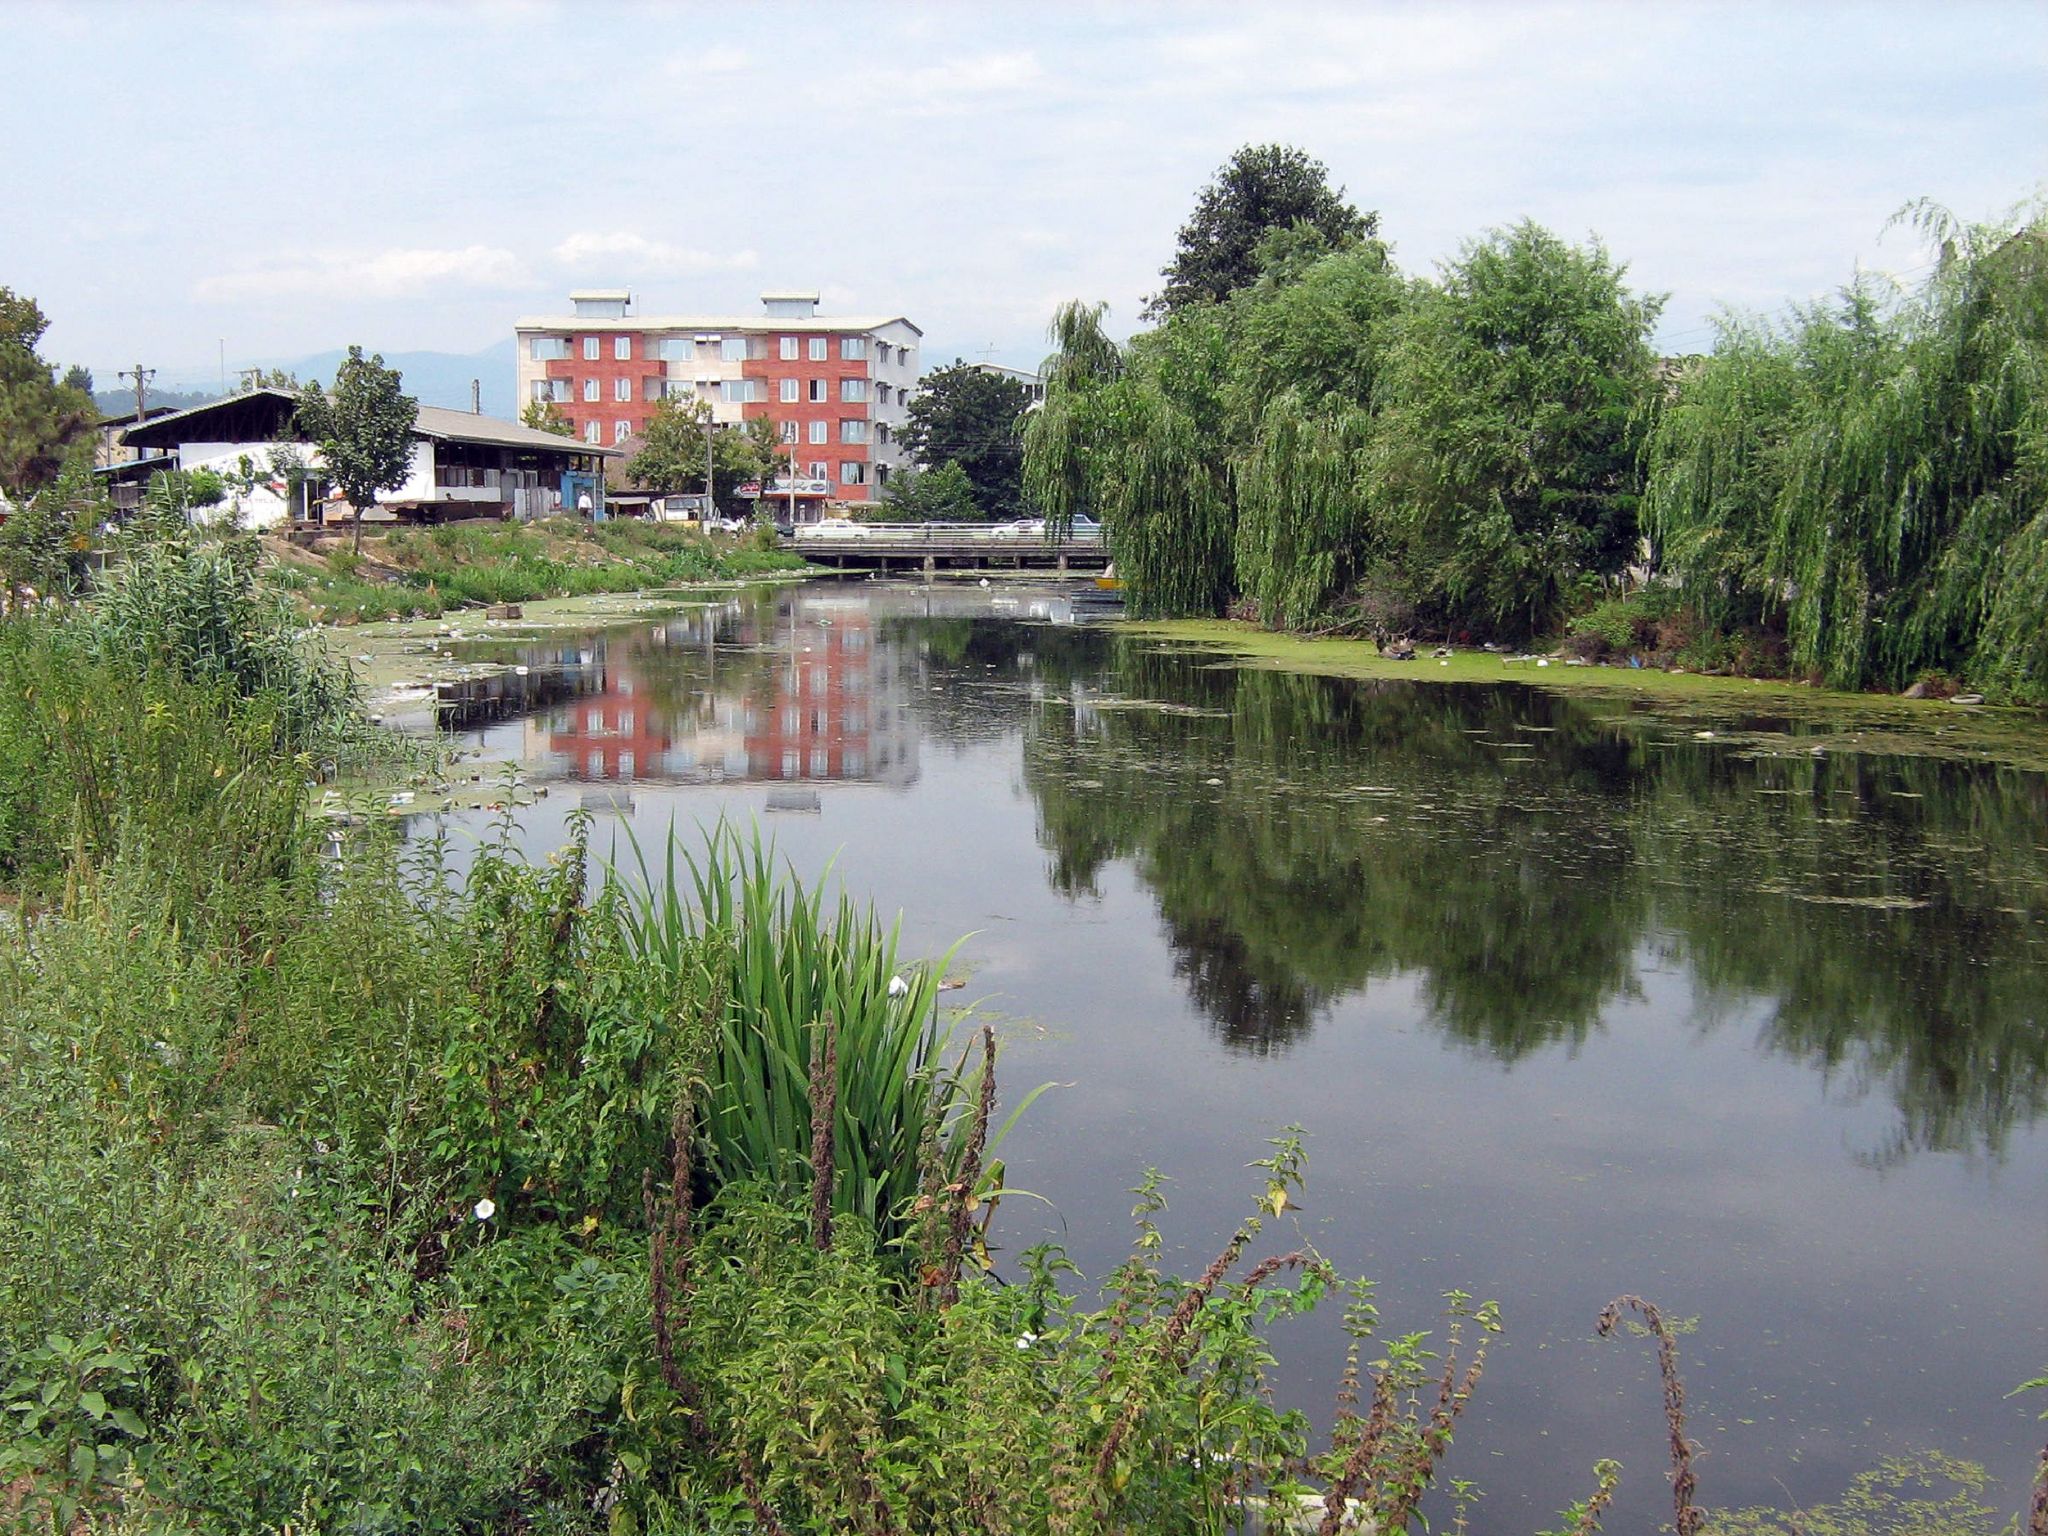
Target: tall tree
column 78, row 377
column 363, row 427
column 1260, row 189
column 1507, row 447
column 942, row 495
column 671, row 456
column 974, row 418
column 546, row 416
column 41, row 420
column 1873, row 474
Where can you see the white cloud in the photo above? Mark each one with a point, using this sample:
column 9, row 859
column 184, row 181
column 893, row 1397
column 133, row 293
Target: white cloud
column 623, row 248
column 388, row 274
column 967, row 81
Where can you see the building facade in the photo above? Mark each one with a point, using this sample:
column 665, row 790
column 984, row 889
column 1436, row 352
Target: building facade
column 836, row 387
column 462, row 464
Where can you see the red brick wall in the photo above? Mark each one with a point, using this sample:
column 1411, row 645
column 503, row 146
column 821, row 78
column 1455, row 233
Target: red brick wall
column 773, row 369
column 607, row 409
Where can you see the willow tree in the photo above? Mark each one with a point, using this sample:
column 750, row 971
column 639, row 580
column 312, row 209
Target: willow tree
column 1506, row 450
column 1311, row 355
column 1136, row 436
column 1870, row 473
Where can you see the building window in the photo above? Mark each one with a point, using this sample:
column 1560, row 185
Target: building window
column 653, row 388
column 854, row 349
column 819, row 469
column 820, row 431
column 622, row 348
column 789, row 349
column 590, row 349
column 548, row 349
column 818, row 352
column 851, row 473
column 622, row 389
column 739, row 391
column 591, row 432
column 853, row 391
column 789, row 391
column 590, row 389
column 881, row 394
column 881, row 432
column 677, row 349
column 789, row 431
column 817, row 391
column 621, row 430
column 853, row 430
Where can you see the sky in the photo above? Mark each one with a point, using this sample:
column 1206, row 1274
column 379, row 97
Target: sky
column 190, row 184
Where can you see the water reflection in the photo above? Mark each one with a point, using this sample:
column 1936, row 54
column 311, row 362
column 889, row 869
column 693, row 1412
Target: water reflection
column 742, row 693
column 1520, row 860
column 1525, row 855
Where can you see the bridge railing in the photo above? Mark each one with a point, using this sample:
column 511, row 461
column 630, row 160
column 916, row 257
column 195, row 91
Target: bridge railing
column 916, row 535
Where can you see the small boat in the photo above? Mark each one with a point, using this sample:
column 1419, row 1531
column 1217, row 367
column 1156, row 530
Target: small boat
column 1109, row 581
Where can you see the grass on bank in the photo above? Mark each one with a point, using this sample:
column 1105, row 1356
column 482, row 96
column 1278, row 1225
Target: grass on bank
column 423, row 573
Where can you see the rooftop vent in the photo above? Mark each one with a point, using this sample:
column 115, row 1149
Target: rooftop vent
column 790, row 303
column 602, row 303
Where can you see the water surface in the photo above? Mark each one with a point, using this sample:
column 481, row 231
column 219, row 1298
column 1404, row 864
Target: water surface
column 1570, row 1001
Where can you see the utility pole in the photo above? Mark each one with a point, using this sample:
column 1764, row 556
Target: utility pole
column 792, row 487
column 141, row 376
column 710, row 505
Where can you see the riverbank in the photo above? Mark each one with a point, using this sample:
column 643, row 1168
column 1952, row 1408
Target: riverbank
column 423, row 573
column 1764, row 716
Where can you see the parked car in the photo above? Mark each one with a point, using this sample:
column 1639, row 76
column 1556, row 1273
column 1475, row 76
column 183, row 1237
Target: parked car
column 832, row 528
column 1021, row 528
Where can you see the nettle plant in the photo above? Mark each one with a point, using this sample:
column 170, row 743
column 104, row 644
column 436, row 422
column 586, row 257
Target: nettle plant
column 74, row 1432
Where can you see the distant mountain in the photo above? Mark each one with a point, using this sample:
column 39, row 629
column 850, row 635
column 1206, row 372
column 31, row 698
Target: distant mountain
column 434, row 378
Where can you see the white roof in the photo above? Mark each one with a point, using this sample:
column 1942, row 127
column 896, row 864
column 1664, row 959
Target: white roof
column 696, row 323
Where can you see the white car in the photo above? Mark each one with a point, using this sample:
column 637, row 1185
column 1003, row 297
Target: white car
column 832, row 528
column 1022, row 528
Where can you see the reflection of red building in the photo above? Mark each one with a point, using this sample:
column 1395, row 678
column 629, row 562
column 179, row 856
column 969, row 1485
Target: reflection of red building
column 817, row 724
column 830, row 706
column 611, row 734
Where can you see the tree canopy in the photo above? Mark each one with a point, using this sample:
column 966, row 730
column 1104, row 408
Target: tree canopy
column 1261, row 189
column 942, row 495
column 546, row 416
column 1859, row 488
column 41, row 420
column 972, row 417
column 671, row 456
column 363, row 427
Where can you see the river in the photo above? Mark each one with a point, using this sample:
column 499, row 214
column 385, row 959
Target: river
column 1570, row 999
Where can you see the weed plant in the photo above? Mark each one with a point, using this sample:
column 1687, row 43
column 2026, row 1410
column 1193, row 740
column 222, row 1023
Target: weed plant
column 345, row 1195
column 464, row 565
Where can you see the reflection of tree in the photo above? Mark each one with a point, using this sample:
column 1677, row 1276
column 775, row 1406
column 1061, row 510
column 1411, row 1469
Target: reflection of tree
column 1902, row 949
column 1892, row 912
column 1290, row 883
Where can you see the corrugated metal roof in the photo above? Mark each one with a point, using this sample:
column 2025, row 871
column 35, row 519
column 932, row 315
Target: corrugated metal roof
column 448, row 426
column 435, row 421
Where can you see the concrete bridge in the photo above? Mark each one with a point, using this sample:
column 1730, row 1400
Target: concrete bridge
column 947, row 546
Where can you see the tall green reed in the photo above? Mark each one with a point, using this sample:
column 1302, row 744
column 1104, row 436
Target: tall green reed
column 730, row 923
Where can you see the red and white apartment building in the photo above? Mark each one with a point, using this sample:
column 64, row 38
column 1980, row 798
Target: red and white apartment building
column 836, row 386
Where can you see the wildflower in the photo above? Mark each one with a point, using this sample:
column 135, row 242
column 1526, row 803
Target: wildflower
column 486, row 1208
column 898, row 987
